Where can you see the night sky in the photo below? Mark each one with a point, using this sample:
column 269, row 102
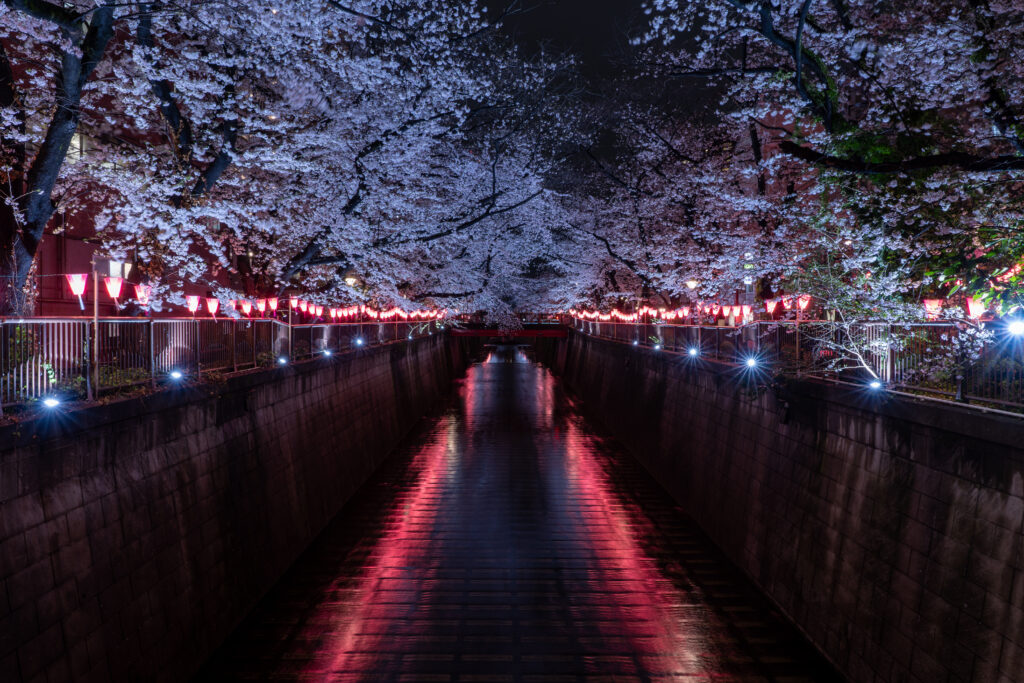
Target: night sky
column 592, row 30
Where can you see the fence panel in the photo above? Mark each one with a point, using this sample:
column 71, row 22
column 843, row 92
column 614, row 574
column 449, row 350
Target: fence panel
column 174, row 344
column 38, row 357
column 123, row 353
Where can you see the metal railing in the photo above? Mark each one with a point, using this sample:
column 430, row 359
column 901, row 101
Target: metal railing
column 84, row 357
column 928, row 358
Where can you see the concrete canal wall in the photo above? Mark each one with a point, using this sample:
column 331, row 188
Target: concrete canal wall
column 888, row 529
column 135, row 535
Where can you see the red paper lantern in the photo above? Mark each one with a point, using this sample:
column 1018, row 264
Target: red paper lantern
column 212, row 305
column 771, row 305
column 787, row 304
column 77, row 283
column 272, row 302
column 113, row 285
column 319, row 311
column 976, row 307
column 804, row 301
column 686, row 311
column 303, row 305
column 293, row 303
column 932, row 308
column 246, row 307
column 746, row 310
column 193, row 304
column 142, row 293
column 261, row 305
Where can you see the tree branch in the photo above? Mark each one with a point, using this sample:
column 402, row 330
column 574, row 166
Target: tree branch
column 46, row 11
column 958, row 160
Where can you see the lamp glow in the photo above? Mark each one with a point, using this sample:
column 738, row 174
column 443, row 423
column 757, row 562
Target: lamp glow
column 693, row 351
column 176, row 374
column 193, row 304
column 751, row 362
column 657, row 347
column 1016, row 328
column 272, row 302
column 51, row 402
column 327, row 352
column 875, row 384
column 212, row 305
column 282, row 360
column 359, row 341
column 635, row 342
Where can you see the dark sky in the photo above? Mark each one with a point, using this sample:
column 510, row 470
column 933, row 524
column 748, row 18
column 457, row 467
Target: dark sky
column 593, row 30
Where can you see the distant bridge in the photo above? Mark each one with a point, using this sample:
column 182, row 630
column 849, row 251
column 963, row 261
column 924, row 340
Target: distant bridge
column 552, row 331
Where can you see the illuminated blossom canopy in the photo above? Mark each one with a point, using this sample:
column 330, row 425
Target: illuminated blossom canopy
column 411, row 153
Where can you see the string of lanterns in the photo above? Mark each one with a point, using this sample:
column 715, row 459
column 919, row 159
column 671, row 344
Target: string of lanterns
column 740, row 311
column 933, row 309
column 78, row 282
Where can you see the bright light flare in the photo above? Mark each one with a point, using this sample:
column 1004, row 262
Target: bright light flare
column 1016, row 328
column 693, row 352
column 51, row 402
column 176, row 374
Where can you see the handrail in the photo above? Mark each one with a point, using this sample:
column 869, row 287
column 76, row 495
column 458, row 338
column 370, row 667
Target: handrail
column 929, row 358
column 82, row 357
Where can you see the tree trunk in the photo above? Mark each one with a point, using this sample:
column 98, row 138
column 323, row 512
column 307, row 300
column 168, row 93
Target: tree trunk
column 35, row 203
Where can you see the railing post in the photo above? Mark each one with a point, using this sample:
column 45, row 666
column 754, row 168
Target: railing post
column 152, row 357
column 95, row 327
column 890, row 359
column 199, row 367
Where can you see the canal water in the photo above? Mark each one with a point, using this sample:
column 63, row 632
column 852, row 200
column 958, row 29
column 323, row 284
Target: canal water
column 509, row 539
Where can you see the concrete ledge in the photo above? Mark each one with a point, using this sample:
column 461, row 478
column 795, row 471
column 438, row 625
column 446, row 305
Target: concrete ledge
column 889, row 529
column 135, row 535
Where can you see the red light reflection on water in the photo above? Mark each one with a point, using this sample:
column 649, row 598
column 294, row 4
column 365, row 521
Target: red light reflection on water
column 395, row 558
column 643, row 604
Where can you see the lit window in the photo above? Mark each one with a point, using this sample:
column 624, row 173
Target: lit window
column 119, row 269
column 79, row 146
